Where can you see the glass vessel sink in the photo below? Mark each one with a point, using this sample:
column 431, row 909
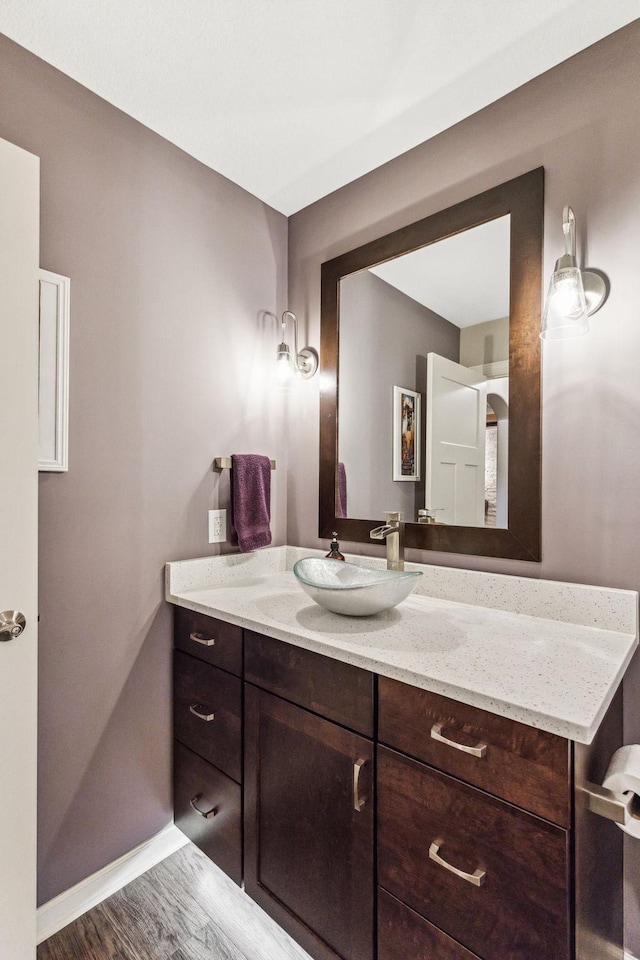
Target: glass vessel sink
column 350, row 589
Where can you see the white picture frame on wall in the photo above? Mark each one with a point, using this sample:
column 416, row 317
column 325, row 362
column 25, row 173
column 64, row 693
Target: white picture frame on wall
column 406, row 434
column 53, row 373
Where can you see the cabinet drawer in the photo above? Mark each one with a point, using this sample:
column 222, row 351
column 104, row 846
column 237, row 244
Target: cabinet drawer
column 207, row 712
column 209, row 639
column 334, row 690
column 528, row 767
column 517, row 906
column 403, row 934
column 198, row 784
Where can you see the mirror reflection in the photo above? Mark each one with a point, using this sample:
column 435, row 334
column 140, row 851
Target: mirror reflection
column 424, row 382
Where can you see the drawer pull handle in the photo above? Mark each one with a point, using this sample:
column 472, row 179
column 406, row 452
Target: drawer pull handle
column 480, row 749
column 477, row 878
column 358, row 801
column 205, row 641
column 202, row 712
column 207, row 814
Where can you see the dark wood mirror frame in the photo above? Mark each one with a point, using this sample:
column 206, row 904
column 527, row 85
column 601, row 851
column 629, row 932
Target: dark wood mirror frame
column 523, row 199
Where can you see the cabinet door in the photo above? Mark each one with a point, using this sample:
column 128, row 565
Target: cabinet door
column 309, row 826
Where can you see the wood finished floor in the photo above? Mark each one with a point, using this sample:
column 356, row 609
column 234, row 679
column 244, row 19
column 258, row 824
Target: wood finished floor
column 182, row 909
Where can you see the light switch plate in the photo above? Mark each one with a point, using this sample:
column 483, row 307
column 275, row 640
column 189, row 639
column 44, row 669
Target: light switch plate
column 217, row 526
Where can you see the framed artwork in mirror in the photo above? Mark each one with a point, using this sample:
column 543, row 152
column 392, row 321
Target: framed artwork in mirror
column 472, row 275
column 406, row 434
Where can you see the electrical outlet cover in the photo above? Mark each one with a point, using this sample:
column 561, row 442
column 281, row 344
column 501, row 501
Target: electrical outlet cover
column 217, row 526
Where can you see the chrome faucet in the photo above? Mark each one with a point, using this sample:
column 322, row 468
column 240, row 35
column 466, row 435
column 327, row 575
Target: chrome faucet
column 393, row 532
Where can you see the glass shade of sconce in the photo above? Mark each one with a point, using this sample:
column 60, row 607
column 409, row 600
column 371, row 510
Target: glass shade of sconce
column 303, row 363
column 574, row 294
column 283, row 362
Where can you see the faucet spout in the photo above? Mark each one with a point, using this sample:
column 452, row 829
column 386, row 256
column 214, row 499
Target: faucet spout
column 393, row 532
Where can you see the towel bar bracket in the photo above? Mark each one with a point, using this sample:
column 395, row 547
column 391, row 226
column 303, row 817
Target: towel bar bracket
column 224, row 463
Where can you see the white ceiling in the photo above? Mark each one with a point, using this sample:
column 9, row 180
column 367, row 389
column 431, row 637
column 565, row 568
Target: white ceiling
column 294, row 98
column 464, row 279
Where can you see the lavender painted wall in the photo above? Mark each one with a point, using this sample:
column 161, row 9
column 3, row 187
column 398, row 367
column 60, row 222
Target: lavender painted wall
column 579, row 121
column 384, row 340
column 170, row 264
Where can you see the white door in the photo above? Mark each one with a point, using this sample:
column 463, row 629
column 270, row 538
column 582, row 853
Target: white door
column 456, row 418
column 19, row 256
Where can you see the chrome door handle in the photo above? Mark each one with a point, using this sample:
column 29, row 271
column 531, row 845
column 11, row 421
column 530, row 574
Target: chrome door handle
column 476, row 878
column 12, row 623
column 205, row 641
column 207, row 814
column 358, row 801
column 480, row 749
column 202, row 711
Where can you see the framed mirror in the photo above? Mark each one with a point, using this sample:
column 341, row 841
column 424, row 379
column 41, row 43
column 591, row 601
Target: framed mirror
column 430, row 378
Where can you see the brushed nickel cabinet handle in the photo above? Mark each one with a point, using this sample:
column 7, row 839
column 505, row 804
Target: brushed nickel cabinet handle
column 480, row 749
column 205, row 641
column 477, row 878
column 202, row 711
column 358, row 801
column 207, row 814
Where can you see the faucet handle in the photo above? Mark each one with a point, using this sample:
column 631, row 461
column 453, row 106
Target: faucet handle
column 394, row 516
column 429, row 515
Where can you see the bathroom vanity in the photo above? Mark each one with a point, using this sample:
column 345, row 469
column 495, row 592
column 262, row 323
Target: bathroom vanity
column 409, row 784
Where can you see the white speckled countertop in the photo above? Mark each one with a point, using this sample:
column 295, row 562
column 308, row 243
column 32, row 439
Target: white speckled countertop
column 545, row 653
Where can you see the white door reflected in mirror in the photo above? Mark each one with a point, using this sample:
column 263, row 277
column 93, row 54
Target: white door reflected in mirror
column 455, row 432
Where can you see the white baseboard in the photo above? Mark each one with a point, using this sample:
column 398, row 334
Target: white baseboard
column 57, row 913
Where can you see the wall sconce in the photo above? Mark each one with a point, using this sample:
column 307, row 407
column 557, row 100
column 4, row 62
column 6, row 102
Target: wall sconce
column 303, row 363
column 574, row 294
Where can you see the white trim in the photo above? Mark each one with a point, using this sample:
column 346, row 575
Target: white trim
column 498, row 368
column 71, row 904
column 628, row 956
column 53, row 379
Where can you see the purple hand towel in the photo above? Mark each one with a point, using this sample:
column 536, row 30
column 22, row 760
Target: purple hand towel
column 342, row 490
column 250, row 501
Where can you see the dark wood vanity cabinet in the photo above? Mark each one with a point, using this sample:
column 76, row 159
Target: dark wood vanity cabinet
column 309, row 810
column 372, row 819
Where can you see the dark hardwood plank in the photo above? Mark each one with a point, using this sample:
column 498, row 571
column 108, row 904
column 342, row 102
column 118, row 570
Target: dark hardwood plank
column 92, row 936
column 146, row 912
column 213, row 920
column 240, row 921
column 209, row 943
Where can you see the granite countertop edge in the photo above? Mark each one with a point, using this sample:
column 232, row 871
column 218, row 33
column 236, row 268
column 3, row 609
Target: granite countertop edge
column 503, row 696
